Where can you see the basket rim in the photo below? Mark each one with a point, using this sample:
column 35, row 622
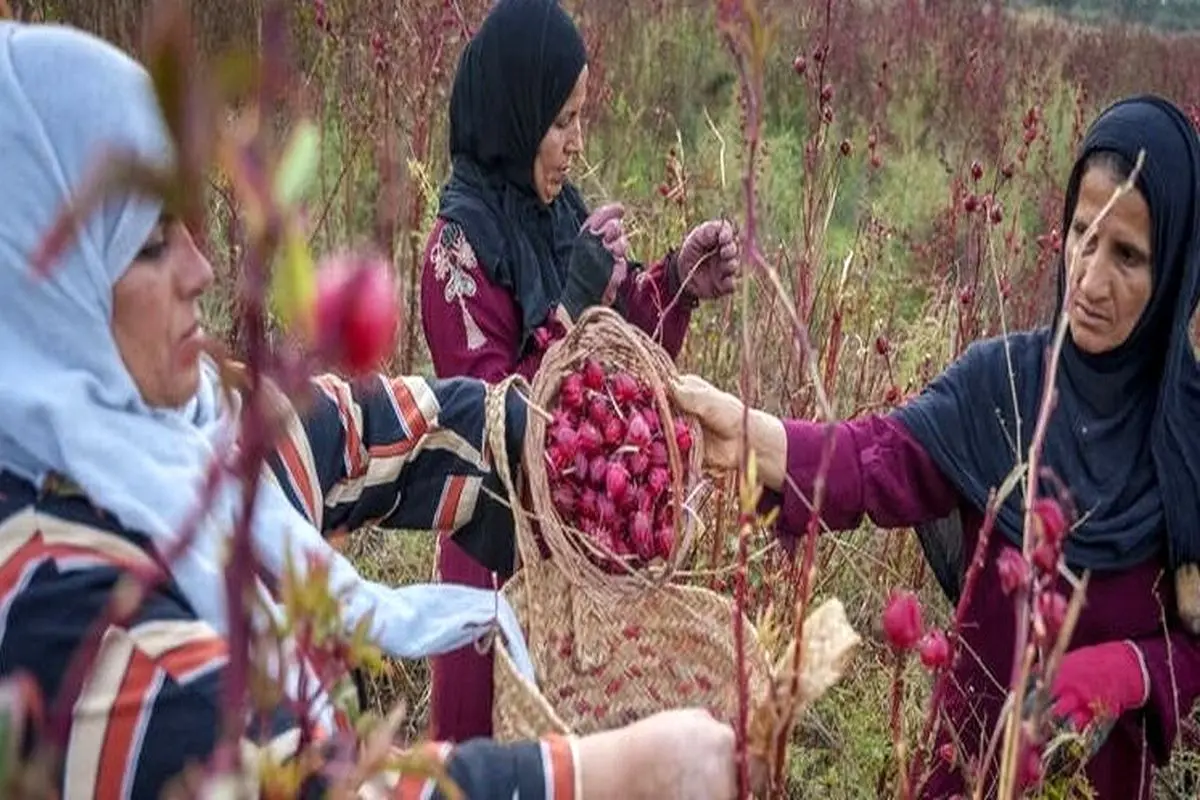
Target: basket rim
column 646, row 360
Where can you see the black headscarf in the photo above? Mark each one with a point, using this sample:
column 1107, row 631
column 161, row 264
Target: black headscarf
column 513, row 78
column 1124, row 436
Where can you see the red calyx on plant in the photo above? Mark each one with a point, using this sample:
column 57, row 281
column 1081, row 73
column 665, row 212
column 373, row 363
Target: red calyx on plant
column 1013, row 570
column 902, row 623
column 609, row 465
column 934, row 650
column 357, row 313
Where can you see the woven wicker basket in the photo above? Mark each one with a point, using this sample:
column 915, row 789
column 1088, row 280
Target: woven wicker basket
column 609, row 649
column 674, row 648
column 602, row 334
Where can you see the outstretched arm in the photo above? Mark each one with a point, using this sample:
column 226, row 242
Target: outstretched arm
column 403, row 452
column 876, row 468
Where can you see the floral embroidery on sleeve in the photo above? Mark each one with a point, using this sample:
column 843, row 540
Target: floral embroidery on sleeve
column 453, row 264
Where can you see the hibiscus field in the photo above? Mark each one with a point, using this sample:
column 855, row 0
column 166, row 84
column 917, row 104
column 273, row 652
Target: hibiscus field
column 898, row 165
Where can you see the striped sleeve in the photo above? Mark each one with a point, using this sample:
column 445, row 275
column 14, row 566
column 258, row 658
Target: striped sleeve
column 480, row 769
column 484, row 770
column 402, row 452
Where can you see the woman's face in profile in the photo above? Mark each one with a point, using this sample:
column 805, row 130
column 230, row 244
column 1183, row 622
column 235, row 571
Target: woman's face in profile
column 562, row 142
column 156, row 315
column 1113, row 277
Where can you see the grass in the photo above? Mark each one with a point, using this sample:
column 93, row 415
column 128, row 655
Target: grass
column 863, row 250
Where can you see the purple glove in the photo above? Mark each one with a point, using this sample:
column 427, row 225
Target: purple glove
column 605, row 223
column 708, row 261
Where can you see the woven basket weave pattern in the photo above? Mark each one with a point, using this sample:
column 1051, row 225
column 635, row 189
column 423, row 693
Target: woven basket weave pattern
column 609, row 649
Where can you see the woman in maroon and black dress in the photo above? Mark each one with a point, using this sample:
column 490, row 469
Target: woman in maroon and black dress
column 1123, row 438
column 514, row 241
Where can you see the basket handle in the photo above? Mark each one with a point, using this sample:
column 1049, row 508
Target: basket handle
column 494, row 409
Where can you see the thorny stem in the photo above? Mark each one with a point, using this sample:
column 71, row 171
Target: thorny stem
column 742, row 32
column 240, row 572
column 897, row 723
column 1021, row 664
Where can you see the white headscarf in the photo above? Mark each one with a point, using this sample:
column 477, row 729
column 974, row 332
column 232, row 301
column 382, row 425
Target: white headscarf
column 67, row 402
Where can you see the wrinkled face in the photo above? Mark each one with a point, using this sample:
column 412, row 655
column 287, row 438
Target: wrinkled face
column 156, row 315
column 1114, row 274
column 562, row 142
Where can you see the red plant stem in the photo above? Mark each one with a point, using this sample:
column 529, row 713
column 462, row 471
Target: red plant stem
column 897, row 723
column 1049, row 395
column 255, row 445
column 942, row 684
column 739, row 642
column 804, row 582
column 750, row 76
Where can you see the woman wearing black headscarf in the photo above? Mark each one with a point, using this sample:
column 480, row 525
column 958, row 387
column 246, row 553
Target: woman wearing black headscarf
column 1122, row 447
column 514, row 242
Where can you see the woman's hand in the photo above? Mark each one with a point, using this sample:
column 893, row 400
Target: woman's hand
column 682, row 753
column 707, row 263
column 598, row 264
column 721, row 414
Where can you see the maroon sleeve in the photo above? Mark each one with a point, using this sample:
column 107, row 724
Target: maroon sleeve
column 652, row 293
column 877, row 470
column 472, row 326
column 1173, row 673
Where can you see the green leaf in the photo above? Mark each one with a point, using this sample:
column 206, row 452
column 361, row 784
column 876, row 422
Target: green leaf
column 294, row 283
column 298, row 167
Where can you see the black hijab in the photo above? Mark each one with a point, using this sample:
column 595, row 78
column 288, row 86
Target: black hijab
column 1124, row 436
column 513, row 78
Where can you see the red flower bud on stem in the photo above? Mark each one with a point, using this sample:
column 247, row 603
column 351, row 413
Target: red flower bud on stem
column 357, row 312
column 934, row 650
column 902, row 623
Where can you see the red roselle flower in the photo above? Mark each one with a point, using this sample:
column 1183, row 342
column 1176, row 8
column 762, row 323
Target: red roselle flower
column 882, row 345
column 1052, row 523
column 934, row 650
column 902, row 623
column 1045, row 558
column 1013, row 570
column 357, row 312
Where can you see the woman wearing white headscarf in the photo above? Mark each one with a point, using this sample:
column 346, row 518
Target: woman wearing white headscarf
column 109, row 416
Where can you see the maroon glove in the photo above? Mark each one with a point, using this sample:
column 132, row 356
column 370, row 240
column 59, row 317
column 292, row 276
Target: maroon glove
column 707, row 261
column 1101, row 681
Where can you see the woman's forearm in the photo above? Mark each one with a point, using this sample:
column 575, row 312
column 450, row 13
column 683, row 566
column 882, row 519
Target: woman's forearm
column 768, row 440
